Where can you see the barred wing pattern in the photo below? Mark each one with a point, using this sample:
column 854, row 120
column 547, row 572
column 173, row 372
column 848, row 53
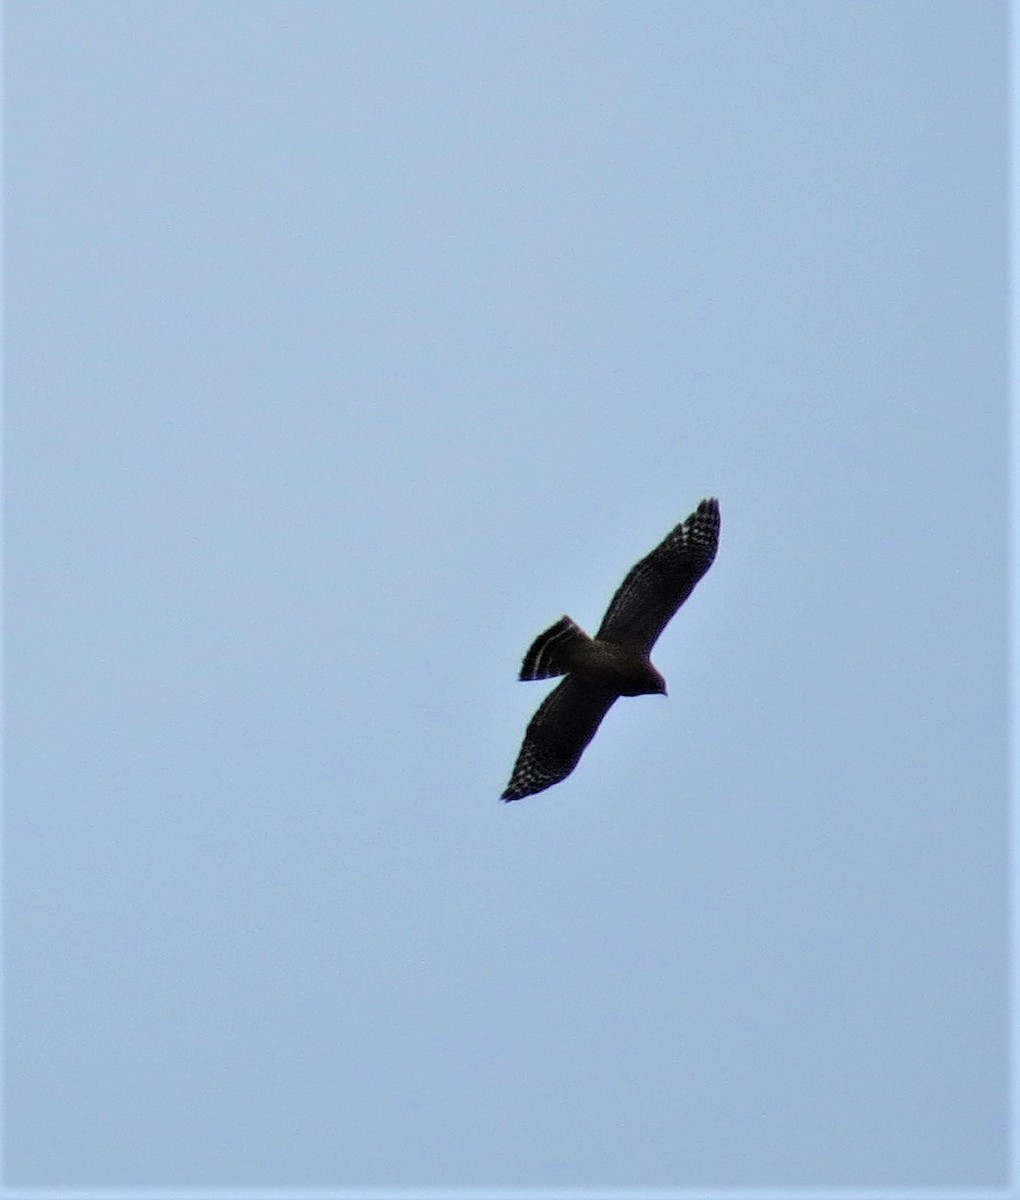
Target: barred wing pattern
column 656, row 587
column 560, row 730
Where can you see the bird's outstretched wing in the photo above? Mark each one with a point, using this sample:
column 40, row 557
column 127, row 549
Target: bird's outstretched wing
column 564, row 724
column 656, row 587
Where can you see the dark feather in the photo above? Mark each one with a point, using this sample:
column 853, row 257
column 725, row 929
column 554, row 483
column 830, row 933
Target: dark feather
column 564, row 724
column 551, row 652
column 656, row 587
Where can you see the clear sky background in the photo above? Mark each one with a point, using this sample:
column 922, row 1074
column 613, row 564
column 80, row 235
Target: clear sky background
column 350, row 345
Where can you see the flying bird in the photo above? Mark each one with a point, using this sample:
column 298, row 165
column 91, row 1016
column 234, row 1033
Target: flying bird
column 615, row 662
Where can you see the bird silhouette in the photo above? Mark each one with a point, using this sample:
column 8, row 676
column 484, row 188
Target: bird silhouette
column 615, row 662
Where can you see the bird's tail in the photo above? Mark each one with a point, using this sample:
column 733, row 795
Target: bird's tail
column 552, row 652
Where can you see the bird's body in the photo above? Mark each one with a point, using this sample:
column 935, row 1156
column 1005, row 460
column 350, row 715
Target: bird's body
column 616, row 661
column 624, row 668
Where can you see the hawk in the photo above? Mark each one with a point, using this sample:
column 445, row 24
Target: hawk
column 615, row 662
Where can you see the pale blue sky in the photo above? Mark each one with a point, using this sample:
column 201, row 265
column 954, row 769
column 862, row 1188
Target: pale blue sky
column 348, row 346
